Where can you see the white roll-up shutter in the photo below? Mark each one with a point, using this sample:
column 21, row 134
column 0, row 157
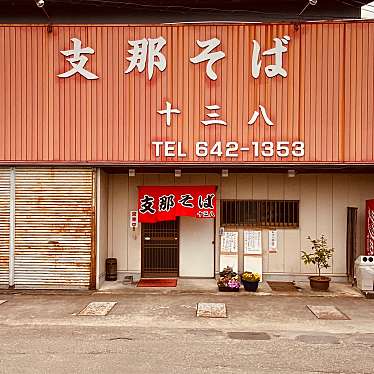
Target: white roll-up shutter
column 4, row 225
column 54, row 230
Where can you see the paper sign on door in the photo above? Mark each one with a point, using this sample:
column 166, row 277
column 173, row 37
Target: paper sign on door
column 252, row 243
column 273, row 241
column 229, row 242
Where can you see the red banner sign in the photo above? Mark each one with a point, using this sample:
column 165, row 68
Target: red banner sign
column 165, row 203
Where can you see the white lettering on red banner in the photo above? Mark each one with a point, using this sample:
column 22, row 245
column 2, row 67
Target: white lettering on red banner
column 165, row 203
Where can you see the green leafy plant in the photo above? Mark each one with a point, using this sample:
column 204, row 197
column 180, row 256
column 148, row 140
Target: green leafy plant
column 248, row 276
column 320, row 255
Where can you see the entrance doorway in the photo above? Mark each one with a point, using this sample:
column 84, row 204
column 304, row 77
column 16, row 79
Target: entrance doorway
column 160, row 249
column 351, row 241
column 196, row 247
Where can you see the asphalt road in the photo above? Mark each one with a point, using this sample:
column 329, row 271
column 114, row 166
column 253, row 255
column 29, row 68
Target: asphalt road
column 111, row 349
column 160, row 333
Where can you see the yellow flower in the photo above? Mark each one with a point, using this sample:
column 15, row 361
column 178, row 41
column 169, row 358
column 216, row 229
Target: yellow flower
column 248, row 276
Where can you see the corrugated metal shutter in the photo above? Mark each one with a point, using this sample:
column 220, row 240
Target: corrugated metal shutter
column 4, row 225
column 54, row 227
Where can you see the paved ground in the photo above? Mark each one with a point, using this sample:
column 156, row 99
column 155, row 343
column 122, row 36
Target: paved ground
column 186, row 285
column 158, row 333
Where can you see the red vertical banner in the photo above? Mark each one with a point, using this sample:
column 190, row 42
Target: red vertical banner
column 369, row 247
column 165, row 203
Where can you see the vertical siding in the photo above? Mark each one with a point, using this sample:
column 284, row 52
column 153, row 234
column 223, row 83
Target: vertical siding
column 326, row 99
column 359, row 88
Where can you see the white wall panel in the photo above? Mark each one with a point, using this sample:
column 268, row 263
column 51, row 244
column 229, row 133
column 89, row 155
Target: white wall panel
column 102, row 220
column 339, row 222
column 308, row 216
column 292, row 263
column 214, row 180
column 260, row 186
column 151, row 179
column 324, row 212
column 228, row 187
column 183, row 180
column 134, row 237
column 276, row 187
column 244, row 188
column 196, row 248
column 118, row 219
column 197, row 179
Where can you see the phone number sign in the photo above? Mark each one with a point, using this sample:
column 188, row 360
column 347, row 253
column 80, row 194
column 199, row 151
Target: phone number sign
column 231, row 149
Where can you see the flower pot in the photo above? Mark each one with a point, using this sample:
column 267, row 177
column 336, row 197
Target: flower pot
column 227, row 289
column 250, row 286
column 321, row 283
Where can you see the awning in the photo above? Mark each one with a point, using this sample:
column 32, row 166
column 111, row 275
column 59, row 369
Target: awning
column 165, row 203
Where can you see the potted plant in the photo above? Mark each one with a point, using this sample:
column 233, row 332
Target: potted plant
column 229, row 281
column 250, row 281
column 319, row 257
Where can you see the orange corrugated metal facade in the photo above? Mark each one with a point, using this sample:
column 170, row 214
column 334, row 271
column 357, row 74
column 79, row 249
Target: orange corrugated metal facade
column 326, row 100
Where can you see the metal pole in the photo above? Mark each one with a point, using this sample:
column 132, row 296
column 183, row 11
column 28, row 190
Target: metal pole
column 12, row 219
column 306, row 6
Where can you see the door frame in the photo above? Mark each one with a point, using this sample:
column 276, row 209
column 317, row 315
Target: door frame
column 212, row 245
column 351, row 240
column 159, row 275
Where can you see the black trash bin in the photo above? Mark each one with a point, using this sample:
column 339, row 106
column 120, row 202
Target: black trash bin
column 111, row 269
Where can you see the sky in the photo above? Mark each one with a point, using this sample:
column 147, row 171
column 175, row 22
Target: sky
column 368, row 11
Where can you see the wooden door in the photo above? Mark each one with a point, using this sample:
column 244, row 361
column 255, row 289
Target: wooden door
column 351, row 240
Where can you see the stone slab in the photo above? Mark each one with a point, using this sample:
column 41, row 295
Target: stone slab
column 205, row 332
column 248, row 335
column 329, row 312
column 367, row 338
column 277, row 286
column 318, row 339
column 97, row 308
column 211, row 310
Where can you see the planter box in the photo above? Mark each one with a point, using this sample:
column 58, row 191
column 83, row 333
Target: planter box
column 227, row 289
column 319, row 283
column 250, row 286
